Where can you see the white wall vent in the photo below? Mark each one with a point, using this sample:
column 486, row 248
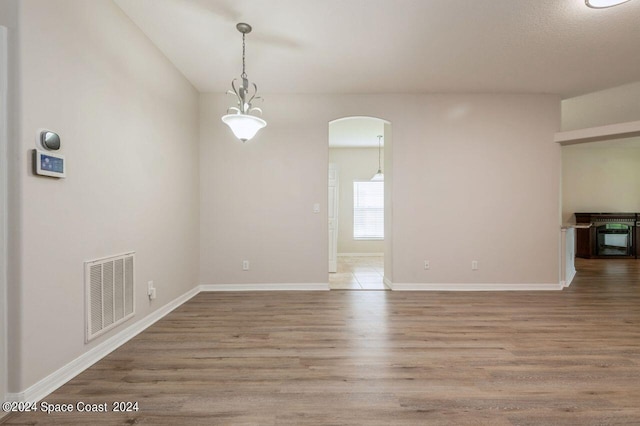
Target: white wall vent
column 109, row 293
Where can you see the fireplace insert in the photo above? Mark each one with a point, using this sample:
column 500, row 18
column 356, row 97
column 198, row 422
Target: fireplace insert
column 613, row 239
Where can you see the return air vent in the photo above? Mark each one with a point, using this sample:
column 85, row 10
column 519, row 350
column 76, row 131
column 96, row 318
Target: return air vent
column 110, row 296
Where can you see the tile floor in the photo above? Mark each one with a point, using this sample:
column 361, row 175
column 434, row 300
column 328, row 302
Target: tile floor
column 358, row 273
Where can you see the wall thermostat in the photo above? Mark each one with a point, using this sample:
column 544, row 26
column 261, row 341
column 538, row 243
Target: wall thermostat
column 48, row 164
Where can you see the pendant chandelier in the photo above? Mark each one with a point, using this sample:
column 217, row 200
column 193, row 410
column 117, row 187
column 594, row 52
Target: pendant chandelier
column 244, row 125
column 379, row 176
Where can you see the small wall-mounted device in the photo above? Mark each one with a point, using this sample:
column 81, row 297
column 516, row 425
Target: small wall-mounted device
column 49, row 140
column 48, row 164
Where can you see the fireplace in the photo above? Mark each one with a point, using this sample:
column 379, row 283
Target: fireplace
column 613, row 239
column 607, row 235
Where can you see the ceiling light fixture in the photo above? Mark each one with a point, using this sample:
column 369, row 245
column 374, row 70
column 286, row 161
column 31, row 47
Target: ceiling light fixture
column 602, row 4
column 379, row 176
column 244, row 125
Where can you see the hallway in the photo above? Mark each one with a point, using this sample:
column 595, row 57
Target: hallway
column 358, row 273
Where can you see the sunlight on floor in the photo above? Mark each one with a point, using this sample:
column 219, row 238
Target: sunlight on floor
column 358, row 273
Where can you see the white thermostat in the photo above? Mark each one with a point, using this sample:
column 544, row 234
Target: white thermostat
column 48, row 164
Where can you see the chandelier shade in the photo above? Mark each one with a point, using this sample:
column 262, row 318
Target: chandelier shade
column 378, row 177
column 244, row 126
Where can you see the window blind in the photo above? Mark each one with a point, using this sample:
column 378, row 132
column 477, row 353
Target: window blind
column 368, row 210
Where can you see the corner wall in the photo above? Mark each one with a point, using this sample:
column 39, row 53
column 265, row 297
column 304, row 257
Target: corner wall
column 128, row 124
column 475, row 177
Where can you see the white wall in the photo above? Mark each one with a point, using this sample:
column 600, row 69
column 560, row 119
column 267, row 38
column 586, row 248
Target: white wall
column 616, row 105
column 128, row 123
column 474, row 177
column 601, row 177
column 354, row 164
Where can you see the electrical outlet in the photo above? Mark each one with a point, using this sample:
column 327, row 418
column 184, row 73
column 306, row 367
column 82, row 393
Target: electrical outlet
column 245, row 265
column 426, row 264
column 474, row 265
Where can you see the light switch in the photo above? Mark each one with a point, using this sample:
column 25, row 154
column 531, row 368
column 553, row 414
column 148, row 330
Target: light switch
column 316, row 208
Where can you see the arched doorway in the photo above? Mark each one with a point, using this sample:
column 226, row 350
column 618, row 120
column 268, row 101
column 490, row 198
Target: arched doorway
column 359, row 203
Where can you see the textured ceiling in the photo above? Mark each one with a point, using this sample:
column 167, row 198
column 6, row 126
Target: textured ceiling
column 398, row 46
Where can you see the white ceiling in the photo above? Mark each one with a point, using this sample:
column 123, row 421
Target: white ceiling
column 401, row 46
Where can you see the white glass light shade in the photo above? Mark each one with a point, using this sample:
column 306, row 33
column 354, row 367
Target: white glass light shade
column 378, row 177
column 244, row 126
column 601, row 4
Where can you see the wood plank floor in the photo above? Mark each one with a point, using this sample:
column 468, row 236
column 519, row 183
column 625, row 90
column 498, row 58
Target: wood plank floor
column 381, row 358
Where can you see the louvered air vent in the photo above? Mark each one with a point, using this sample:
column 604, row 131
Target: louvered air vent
column 110, row 299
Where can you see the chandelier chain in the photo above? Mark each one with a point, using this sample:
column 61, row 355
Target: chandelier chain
column 244, row 74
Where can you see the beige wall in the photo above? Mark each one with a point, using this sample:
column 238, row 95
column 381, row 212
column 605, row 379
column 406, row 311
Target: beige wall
column 475, row 177
column 353, row 164
column 616, row 105
column 128, row 123
column 601, row 177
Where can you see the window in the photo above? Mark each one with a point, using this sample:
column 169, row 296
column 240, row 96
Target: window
column 368, row 210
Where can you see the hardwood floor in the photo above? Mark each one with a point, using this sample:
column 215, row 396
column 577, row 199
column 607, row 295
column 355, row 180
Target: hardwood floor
column 381, row 358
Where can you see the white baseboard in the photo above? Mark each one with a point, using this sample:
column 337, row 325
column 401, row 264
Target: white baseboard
column 567, row 282
column 359, row 254
column 474, row 287
column 61, row 376
column 266, row 287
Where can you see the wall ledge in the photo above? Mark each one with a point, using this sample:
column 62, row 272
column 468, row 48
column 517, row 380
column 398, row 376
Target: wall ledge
column 601, row 133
